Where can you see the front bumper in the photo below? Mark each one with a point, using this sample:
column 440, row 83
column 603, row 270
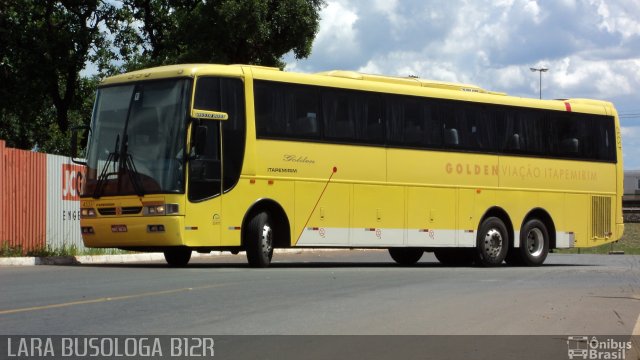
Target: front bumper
column 107, row 232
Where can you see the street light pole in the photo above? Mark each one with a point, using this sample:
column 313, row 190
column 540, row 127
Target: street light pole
column 540, row 70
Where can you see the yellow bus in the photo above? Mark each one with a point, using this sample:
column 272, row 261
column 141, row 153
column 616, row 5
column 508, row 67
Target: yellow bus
column 243, row 158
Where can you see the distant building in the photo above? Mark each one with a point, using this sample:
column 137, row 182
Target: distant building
column 631, row 196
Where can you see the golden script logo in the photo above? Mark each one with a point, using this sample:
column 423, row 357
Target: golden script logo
column 523, row 172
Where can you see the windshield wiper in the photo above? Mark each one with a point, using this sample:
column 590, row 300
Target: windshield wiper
column 105, row 174
column 125, row 164
column 128, row 166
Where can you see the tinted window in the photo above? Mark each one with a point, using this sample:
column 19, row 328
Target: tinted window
column 353, row 117
column 287, row 111
column 299, row 112
column 225, row 95
column 339, row 114
column 412, row 122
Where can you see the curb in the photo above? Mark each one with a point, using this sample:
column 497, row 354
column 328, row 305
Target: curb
column 126, row 258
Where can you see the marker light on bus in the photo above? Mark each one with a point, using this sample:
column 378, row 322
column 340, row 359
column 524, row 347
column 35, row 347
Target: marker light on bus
column 87, row 230
column 155, row 228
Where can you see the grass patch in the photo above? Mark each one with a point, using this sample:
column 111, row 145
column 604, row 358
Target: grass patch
column 629, row 243
column 7, row 250
column 109, row 251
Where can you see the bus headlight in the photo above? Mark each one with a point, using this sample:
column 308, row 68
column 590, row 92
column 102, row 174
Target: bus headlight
column 162, row 209
column 171, row 209
column 87, row 212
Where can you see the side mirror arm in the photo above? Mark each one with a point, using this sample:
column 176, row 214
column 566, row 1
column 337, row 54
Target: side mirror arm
column 74, row 144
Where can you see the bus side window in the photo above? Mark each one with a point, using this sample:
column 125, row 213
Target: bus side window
column 514, row 142
column 506, row 130
column 446, row 117
column 532, row 130
column 433, row 137
column 264, row 109
column 306, row 126
column 305, row 119
column 270, row 108
column 569, row 134
column 414, row 131
column 604, row 143
column 368, row 113
column 339, row 122
column 570, row 146
column 451, row 137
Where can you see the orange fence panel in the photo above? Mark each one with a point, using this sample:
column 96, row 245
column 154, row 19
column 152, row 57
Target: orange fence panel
column 23, row 205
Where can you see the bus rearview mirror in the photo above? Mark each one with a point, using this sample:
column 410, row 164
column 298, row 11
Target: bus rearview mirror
column 74, row 145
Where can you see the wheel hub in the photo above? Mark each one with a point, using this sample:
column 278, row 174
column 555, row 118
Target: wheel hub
column 493, row 242
column 535, row 242
column 267, row 239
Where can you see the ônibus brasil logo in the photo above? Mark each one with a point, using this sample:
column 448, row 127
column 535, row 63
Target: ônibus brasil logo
column 583, row 347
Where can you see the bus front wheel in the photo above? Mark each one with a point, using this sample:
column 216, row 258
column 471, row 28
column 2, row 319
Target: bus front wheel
column 258, row 241
column 177, row 257
column 406, row 256
column 492, row 242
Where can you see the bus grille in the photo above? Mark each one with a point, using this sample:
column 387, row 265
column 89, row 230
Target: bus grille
column 127, row 210
column 600, row 217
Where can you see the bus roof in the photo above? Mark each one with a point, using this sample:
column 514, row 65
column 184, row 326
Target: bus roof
column 343, row 77
column 411, row 81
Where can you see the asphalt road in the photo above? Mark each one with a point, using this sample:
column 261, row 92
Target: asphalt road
column 344, row 292
column 324, row 293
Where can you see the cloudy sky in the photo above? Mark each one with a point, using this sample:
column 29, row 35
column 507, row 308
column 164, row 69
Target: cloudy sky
column 592, row 47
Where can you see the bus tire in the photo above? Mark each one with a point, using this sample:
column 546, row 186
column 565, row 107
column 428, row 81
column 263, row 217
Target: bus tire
column 406, row 256
column 534, row 243
column 492, row 242
column 258, row 241
column 455, row 257
column 178, row 256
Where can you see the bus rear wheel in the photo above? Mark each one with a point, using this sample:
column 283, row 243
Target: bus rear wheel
column 406, row 256
column 534, row 243
column 178, row 256
column 258, row 241
column 492, row 242
column 455, row 257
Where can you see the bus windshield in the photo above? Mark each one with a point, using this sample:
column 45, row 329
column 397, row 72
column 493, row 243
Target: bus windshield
column 137, row 139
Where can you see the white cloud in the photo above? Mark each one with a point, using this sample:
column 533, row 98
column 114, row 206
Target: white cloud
column 511, row 77
column 385, row 6
column 578, row 77
column 532, row 8
column 619, row 16
column 337, row 36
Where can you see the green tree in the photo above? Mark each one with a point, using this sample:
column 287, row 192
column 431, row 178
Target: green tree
column 224, row 31
column 43, row 47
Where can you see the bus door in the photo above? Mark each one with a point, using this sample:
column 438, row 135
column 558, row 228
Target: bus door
column 217, row 150
column 203, row 212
